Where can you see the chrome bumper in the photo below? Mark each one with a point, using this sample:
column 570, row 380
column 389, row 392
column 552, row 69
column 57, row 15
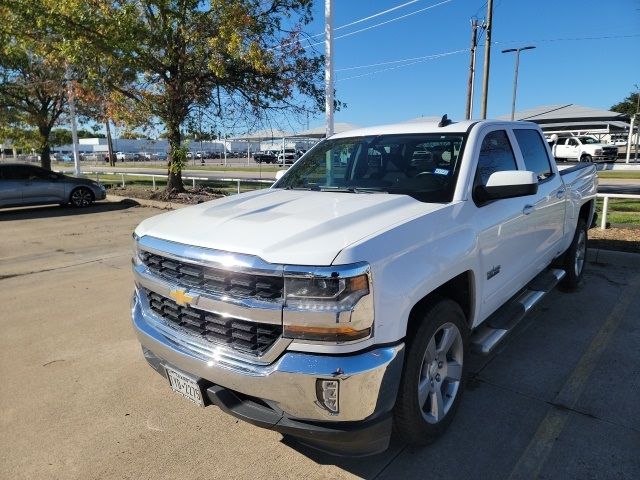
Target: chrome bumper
column 368, row 381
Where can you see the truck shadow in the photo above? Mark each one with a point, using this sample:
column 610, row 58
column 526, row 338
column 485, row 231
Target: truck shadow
column 364, row 467
column 403, row 461
column 52, row 211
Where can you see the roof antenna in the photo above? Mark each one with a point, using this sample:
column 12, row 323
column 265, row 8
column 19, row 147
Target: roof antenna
column 445, row 121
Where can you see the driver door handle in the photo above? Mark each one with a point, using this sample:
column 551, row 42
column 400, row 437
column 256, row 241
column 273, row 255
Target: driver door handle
column 560, row 193
column 528, row 209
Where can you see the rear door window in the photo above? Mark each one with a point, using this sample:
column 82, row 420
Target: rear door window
column 15, row 172
column 533, row 152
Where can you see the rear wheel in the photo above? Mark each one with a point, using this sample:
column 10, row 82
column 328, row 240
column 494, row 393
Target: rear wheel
column 81, row 197
column 433, row 377
column 575, row 257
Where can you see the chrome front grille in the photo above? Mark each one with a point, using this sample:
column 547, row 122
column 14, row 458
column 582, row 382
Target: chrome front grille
column 249, row 337
column 204, row 298
column 213, row 280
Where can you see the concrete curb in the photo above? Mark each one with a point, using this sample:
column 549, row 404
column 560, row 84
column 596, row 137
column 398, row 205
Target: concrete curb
column 147, row 203
column 613, row 257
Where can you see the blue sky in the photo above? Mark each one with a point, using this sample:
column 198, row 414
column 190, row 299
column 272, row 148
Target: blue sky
column 572, row 63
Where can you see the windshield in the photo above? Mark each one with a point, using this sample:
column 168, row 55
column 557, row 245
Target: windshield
column 588, row 140
column 422, row 166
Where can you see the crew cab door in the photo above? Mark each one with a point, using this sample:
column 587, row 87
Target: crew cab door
column 506, row 236
column 546, row 215
column 559, row 149
column 572, row 149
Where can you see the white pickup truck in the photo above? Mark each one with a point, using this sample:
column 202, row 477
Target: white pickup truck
column 344, row 301
column 584, row 149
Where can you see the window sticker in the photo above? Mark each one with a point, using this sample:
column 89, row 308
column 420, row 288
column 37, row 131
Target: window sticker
column 441, row 171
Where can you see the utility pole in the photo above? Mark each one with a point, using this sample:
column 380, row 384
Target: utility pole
column 328, row 66
column 109, row 143
column 472, row 67
column 637, row 116
column 487, row 58
column 630, row 138
column 74, row 126
column 634, row 118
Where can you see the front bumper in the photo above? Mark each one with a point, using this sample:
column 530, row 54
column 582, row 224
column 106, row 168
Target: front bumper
column 605, row 158
column 282, row 395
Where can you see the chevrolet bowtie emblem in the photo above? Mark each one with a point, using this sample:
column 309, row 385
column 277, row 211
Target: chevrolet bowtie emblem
column 181, row 296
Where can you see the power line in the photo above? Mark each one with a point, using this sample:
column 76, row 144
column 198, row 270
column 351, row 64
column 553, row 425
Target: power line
column 387, row 21
column 389, row 10
column 424, row 59
column 355, row 22
column 568, row 39
column 443, row 2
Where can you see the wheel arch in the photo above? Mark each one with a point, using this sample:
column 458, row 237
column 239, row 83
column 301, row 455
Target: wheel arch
column 461, row 289
column 587, row 212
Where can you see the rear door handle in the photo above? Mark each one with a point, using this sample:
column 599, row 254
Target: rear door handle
column 528, row 209
column 560, row 193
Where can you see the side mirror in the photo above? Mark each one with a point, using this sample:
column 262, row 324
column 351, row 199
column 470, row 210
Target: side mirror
column 507, row 184
column 279, row 174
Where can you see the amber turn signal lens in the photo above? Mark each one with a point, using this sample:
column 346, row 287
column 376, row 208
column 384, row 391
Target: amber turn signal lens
column 358, row 283
column 339, row 334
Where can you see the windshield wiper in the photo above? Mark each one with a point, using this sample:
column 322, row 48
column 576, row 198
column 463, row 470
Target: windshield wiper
column 352, row 189
column 313, row 187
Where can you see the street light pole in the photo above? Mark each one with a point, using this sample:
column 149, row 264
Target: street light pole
column 515, row 75
column 328, row 66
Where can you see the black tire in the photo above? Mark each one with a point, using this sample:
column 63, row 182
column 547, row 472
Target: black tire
column 586, row 158
column 413, row 423
column 575, row 258
column 81, row 197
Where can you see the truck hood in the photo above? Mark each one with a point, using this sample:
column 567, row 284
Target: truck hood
column 285, row 226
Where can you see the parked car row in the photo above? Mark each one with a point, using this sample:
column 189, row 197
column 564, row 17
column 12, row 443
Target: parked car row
column 288, row 156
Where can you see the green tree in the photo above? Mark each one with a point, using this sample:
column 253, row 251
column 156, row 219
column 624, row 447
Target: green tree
column 60, row 136
column 240, row 57
column 130, row 134
column 32, row 84
column 629, row 106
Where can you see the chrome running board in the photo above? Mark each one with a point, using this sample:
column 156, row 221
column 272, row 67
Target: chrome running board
column 488, row 335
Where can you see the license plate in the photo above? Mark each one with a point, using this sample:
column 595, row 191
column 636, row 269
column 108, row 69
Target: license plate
column 185, row 386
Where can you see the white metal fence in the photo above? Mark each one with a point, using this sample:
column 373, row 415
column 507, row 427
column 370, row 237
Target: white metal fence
column 123, row 176
column 605, row 204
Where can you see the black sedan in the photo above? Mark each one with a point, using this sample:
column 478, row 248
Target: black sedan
column 22, row 184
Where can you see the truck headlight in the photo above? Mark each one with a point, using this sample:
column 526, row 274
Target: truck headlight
column 135, row 250
column 328, row 304
column 598, row 151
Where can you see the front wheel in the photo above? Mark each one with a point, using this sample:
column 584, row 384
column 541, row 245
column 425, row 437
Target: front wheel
column 433, row 376
column 81, row 197
column 586, row 158
column 575, row 257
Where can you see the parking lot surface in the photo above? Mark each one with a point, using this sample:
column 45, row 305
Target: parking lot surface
column 558, row 400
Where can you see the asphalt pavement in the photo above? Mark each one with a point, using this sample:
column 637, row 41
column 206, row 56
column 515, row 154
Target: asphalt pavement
column 558, row 400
